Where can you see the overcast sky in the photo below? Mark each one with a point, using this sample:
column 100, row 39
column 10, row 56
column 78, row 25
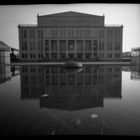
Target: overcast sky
column 126, row 14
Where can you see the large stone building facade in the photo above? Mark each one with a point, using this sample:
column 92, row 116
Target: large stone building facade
column 70, row 36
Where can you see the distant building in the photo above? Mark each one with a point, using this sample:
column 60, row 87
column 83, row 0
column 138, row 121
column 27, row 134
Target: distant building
column 70, row 36
column 135, row 53
column 126, row 55
column 4, row 53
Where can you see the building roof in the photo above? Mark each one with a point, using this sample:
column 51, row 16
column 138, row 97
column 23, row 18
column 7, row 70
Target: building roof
column 70, row 14
column 4, row 46
column 27, row 25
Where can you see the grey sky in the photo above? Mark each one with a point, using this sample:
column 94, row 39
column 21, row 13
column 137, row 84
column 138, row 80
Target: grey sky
column 126, row 14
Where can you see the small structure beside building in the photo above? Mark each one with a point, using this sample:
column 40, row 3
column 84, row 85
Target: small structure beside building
column 5, row 73
column 4, row 53
column 135, row 54
column 126, row 56
column 14, row 55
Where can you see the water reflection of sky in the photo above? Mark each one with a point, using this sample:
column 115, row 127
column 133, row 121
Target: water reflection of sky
column 104, row 101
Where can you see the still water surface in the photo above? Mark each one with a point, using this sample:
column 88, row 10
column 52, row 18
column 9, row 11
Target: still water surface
column 51, row 100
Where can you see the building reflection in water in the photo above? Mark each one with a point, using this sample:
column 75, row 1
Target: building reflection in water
column 135, row 72
column 7, row 72
column 63, row 89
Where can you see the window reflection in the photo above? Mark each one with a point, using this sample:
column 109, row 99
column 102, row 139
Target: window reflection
column 70, row 90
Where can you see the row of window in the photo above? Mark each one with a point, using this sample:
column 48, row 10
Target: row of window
column 71, row 33
column 31, row 34
column 70, row 55
column 32, row 55
column 56, row 69
column 71, row 45
column 69, row 79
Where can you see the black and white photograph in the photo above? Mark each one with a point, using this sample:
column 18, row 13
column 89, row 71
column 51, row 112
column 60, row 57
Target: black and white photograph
column 70, row 69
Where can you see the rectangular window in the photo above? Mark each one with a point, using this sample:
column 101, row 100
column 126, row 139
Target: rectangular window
column 88, row 45
column 40, row 33
column 79, row 56
column 71, row 45
column 25, row 47
column 22, row 33
column 47, row 55
column 102, row 45
column 54, row 45
column 54, row 56
column 33, row 34
column 62, row 45
column 79, row 45
column 100, row 34
column 62, row 55
column 25, row 34
column 47, row 45
column 33, row 45
column 95, row 43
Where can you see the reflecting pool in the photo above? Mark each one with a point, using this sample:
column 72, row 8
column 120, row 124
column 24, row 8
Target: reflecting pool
column 51, row 100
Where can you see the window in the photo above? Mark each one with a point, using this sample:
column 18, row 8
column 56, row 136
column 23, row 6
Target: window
column 32, row 34
column 71, row 55
column 107, row 33
column 87, row 56
column 79, row 56
column 110, row 45
column 102, row 45
column 25, row 47
column 71, row 45
column 95, row 43
column 62, row 33
column 62, row 55
column 40, row 33
column 47, row 45
column 100, row 34
column 31, row 47
column 47, row 55
column 79, row 45
column 22, row 55
column 88, row 45
column 99, row 45
column 54, row 55
column 54, row 45
column 25, row 34
column 40, row 45
column 22, row 33
column 54, row 33
column 109, row 55
column 22, row 45
column 33, row 55
column 62, row 45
